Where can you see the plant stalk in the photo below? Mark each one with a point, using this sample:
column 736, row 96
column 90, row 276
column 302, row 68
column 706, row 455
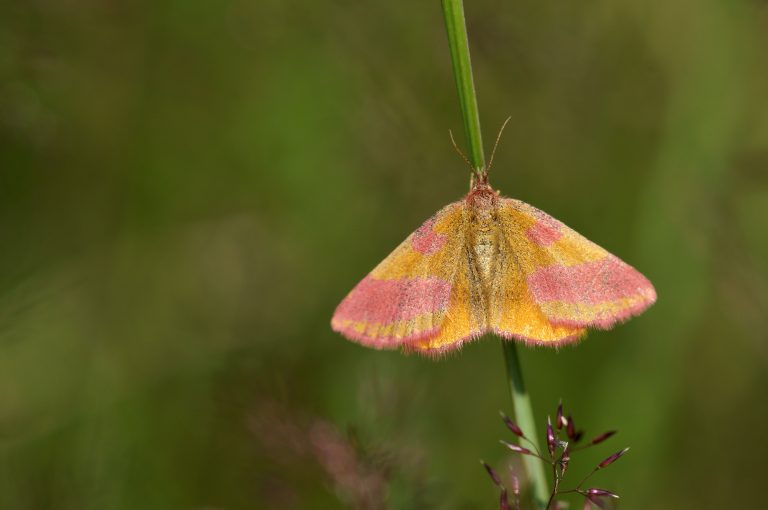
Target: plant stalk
column 453, row 10
column 524, row 417
column 455, row 24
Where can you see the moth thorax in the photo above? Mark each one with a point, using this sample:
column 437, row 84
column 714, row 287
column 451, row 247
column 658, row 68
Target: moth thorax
column 482, row 203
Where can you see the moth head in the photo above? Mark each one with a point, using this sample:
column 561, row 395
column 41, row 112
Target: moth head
column 482, row 199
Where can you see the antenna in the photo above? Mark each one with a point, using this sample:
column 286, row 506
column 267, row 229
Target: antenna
column 498, row 137
column 450, row 133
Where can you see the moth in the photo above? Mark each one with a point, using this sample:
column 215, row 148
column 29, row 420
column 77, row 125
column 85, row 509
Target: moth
column 490, row 264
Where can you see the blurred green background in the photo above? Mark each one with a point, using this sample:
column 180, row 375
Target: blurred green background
column 188, row 188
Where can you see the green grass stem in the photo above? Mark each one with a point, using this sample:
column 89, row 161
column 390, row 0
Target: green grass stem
column 453, row 10
column 455, row 25
column 525, row 420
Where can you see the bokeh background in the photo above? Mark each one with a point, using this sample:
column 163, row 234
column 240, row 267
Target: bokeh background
column 187, row 190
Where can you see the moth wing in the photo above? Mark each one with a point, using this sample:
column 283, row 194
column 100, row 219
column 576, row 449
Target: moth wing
column 574, row 282
column 410, row 297
column 513, row 311
column 466, row 314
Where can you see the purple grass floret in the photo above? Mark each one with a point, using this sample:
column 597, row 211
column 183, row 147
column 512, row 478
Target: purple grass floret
column 551, row 443
column 503, row 500
column 570, row 428
column 512, row 426
column 494, row 476
column 516, row 448
column 602, row 437
column 613, row 458
column 559, row 418
column 601, row 492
